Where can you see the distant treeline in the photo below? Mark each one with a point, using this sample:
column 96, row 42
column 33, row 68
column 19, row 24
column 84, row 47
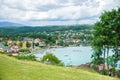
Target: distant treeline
column 17, row 33
column 28, row 29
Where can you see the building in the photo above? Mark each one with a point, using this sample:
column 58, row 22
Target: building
column 75, row 40
column 42, row 44
column 10, row 42
column 4, row 48
column 25, row 39
column 67, row 40
column 37, row 40
column 1, row 50
column 57, row 41
column 13, row 50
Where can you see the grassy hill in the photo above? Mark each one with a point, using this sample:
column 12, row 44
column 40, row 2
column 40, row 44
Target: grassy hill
column 12, row 69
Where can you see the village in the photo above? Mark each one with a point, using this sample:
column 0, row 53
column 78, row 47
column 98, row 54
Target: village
column 27, row 45
column 55, row 39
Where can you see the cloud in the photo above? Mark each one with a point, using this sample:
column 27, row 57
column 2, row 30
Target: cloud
column 50, row 12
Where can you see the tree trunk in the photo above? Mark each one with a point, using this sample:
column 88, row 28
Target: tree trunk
column 116, row 55
column 107, row 57
column 104, row 56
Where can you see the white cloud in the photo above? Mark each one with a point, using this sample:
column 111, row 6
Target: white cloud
column 50, row 12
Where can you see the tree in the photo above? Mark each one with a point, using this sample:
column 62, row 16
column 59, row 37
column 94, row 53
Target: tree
column 5, row 43
column 28, row 45
column 20, row 44
column 106, row 35
column 51, row 59
column 36, row 44
column 99, row 43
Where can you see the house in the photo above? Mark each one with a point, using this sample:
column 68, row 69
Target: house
column 24, row 45
column 37, row 40
column 14, row 50
column 42, row 44
column 1, row 50
column 4, row 48
column 57, row 41
column 75, row 40
column 10, row 42
column 67, row 40
column 25, row 39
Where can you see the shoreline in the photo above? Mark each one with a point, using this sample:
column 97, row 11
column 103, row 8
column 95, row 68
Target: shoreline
column 61, row 53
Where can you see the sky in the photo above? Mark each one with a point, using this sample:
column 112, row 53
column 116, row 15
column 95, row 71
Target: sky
column 54, row 12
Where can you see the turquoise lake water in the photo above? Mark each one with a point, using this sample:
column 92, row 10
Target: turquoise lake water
column 70, row 55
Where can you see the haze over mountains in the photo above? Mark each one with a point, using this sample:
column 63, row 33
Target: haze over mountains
column 13, row 24
column 5, row 23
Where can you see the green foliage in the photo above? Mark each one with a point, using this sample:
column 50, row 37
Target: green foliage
column 20, row 44
column 110, row 61
column 2, row 52
column 104, row 72
column 17, row 33
column 26, row 57
column 28, row 29
column 28, row 44
column 36, row 44
column 118, row 73
column 24, row 50
column 12, row 69
column 106, row 36
column 5, row 43
column 97, row 61
column 49, row 58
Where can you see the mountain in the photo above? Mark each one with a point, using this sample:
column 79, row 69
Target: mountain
column 3, row 24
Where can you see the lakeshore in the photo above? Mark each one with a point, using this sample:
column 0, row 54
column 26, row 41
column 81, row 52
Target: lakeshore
column 69, row 55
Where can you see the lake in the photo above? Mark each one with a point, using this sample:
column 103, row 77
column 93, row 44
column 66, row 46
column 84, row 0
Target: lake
column 70, row 55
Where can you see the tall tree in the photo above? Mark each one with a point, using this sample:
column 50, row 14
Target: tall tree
column 106, row 35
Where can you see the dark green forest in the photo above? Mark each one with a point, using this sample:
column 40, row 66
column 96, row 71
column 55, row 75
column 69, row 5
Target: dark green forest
column 34, row 32
column 29, row 29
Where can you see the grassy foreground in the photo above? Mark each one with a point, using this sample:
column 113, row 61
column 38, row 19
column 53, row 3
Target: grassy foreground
column 12, row 69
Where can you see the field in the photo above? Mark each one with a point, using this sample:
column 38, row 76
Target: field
column 12, row 69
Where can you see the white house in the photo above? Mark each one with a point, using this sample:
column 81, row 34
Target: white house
column 37, row 40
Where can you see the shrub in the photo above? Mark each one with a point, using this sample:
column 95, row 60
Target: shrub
column 49, row 58
column 3, row 52
column 26, row 57
column 25, row 50
column 104, row 72
column 118, row 73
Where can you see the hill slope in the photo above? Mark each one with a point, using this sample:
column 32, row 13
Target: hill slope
column 12, row 69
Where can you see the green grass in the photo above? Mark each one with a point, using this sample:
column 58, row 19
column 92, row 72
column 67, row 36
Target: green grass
column 12, row 69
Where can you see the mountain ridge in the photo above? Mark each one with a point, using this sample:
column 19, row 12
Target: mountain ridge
column 6, row 24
